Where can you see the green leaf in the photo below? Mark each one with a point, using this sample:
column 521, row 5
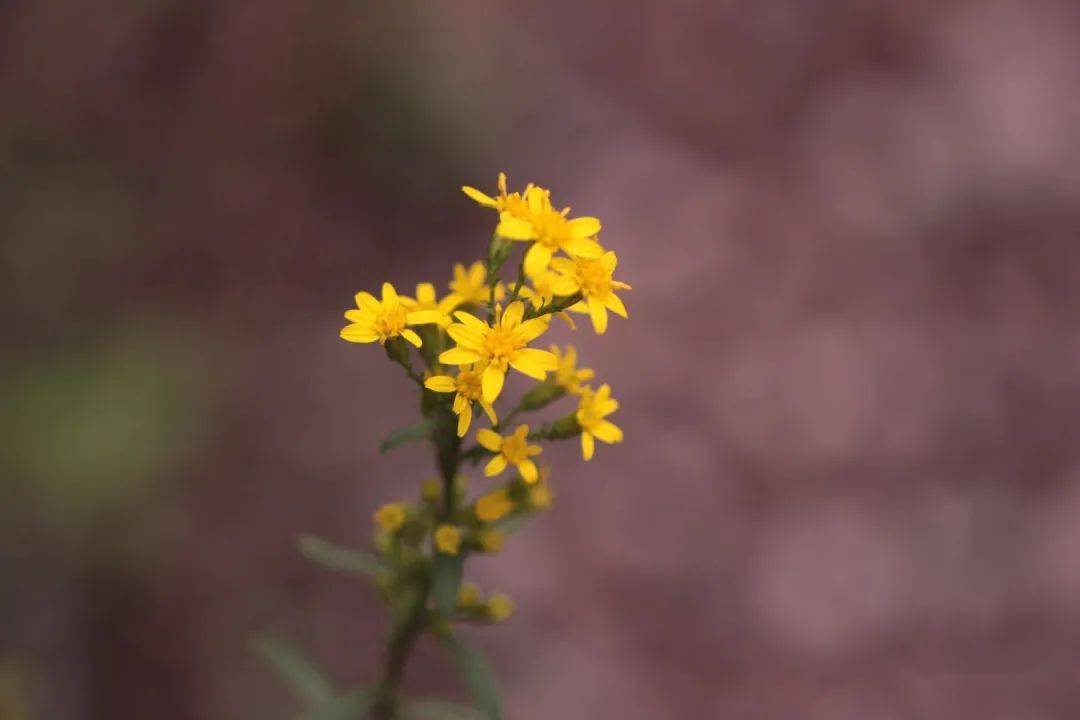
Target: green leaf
column 419, row 431
column 350, row 706
column 440, row 710
column 446, row 579
column 337, row 557
column 305, row 681
column 483, row 687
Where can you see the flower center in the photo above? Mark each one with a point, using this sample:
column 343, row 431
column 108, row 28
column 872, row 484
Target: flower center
column 516, row 449
column 500, row 345
column 391, row 322
column 594, row 279
column 469, row 385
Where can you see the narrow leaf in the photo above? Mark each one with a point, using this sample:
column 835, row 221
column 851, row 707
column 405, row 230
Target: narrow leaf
column 350, row 706
column 419, row 431
column 305, row 681
column 446, row 579
column 483, row 687
column 337, row 557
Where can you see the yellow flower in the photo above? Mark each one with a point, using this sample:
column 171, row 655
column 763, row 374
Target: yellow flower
column 592, row 409
column 542, row 292
column 448, row 539
column 470, row 286
column 500, row 607
column 592, row 278
column 540, row 496
column 513, row 450
column 568, row 375
column 468, row 594
column 469, row 389
column 379, row 321
column 552, row 230
column 494, row 506
column 428, row 309
column 498, row 346
column 431, row 489
column 491, row 540
column 513, row 203
column 390, row 517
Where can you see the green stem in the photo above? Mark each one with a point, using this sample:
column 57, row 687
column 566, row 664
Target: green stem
column 556, row 305
column 519, row 283
column 403, row 638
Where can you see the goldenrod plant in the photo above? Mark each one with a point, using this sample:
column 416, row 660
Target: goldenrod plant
column 458, row 351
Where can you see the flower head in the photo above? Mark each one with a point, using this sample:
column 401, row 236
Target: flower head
column 448, row 539
column 512, row 203
column 568, row 375
column 593, row 408
column 512, row 449
column 376, row 320
column 593, row 279
column 500, row 607
column 470, row 286
column 468, row 594
column 491, row 540
column 469, row 389
column 498, row 346
column 494, row 506
column 540, row 496
column 552, row 230
column 428, row 309
column 390, row 517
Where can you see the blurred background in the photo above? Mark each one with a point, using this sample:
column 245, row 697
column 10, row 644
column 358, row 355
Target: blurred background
column 850, row 385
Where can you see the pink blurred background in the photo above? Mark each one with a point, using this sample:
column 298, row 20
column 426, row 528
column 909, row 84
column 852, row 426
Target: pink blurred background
column 851, row 481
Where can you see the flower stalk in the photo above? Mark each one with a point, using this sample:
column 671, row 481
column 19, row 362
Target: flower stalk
column 467, row 342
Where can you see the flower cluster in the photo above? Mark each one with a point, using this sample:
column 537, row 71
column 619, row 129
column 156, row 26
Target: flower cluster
column 466, row 344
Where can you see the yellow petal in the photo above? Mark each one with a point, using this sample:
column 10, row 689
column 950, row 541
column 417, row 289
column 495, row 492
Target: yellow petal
column 479, row 197
column 514, row 228
column 537, row 259
column 496, row 466
column 489, row 439
column 610, row 261
column 360, row 316
column 389, row 295
column 464, row 419
column 359, row 334
column 465, row 336
column 528, row 471
column 587, row 445
column 564, row 265
column 584, row 226
column 532, row 329
column 608, row 432
column 367, row 301
column 458, row 356
column 490, row 412
column 564, row 285
column 492, row 383
column 615, row 305
column 441, row 383
column 424, row 317
column 477, row 273
column 470, row 321
column 583, row 247
column 425, row 293
column 534, row 363
column 513, row 314
column 598, row 313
